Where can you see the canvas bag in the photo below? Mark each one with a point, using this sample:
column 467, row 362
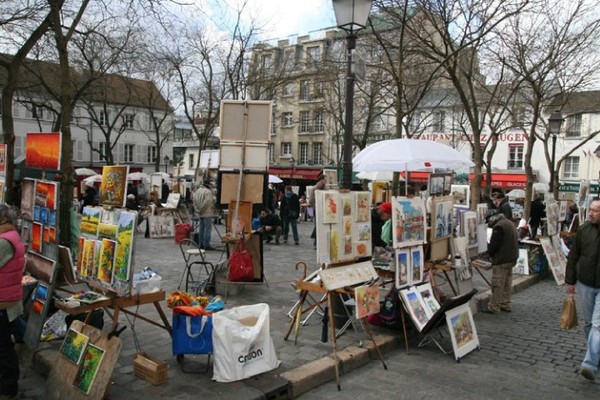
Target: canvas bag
column 568, row 316
column 192, row 335
column 240, row 264
column 242, row 343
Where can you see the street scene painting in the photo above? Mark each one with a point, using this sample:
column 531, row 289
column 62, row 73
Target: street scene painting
column 417, row 265
column 408, row 221
column 431, row 303
column 416, row 307
column 402, row 266
column 441, row 218
column 462, row 330
column 554, row 260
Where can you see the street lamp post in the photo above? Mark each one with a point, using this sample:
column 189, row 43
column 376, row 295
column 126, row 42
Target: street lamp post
column 554, row 123
column 166, row 159
column 351, row 16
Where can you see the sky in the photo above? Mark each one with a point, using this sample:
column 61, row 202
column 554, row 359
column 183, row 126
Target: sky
column 282, row 18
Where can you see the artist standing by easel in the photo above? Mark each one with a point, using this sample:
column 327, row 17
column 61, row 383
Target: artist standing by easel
column 321, row 182
column 12, row 262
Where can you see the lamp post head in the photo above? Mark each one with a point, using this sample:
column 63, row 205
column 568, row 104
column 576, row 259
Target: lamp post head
column 351, row 15
column 167, row 159
column 554, row 122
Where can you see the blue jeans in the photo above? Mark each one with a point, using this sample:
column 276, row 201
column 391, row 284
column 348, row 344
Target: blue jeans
column 590, row 301
column 286, row 228
column 204, row 232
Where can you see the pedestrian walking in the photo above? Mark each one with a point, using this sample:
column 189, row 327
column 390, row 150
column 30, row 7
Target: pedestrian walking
column 504, row 252
column 290, row 211
column 583, row 269
column 204, row 206
column 12, row 263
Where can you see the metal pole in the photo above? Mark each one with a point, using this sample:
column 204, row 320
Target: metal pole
column 347, row 164
column 553, row 163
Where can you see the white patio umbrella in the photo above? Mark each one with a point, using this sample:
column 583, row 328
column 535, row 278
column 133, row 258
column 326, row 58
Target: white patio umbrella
column 274, row 179
column 516, row 194
column 409, row 155
column 138, row 176
column 85, row 172
column 93, row 179
column 382, row 176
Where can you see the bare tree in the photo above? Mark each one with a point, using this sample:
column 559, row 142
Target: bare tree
column 550, row 49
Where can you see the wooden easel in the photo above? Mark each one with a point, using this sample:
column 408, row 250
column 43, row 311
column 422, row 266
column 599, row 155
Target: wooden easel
column 318, row 287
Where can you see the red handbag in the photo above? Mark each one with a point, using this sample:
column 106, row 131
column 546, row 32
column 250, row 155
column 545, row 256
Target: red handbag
column 240, row 264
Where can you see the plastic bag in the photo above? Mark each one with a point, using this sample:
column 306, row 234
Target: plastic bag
column 242, row 343
column 568, row 316
column 192, row 335
column 240, row 264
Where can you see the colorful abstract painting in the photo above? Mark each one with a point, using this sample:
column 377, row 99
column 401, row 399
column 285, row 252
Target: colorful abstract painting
column 367, row 300
column 42, row 150
column 74, row 345
column 90, row 364
column 107, row 254
column 90, row 218
column 125, row 231
column 37, row 233
column 113, row 189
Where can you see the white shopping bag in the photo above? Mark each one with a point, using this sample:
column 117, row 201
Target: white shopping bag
column 242, row 344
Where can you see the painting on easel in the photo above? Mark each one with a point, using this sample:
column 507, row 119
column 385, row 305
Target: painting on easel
column 113, row 188
column 367, row 300
column 125, row 230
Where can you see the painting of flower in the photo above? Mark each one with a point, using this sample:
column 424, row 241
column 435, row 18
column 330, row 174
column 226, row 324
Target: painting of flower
column 367, row 300
column 113, row 188
column 42, row 150
column 363, row 206
column 125, row 230
column 107, row 253
column 90, row 365
column 331, row 207
column 73, row 345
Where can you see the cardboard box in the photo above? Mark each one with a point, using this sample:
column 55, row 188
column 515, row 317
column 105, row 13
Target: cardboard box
column 150, row 369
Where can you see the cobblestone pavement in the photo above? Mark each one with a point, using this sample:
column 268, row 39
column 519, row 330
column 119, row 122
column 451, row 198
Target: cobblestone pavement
column 524, row 355
column 525, row 346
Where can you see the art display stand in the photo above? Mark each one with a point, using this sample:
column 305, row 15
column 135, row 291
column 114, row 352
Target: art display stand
column 59, row 384
column 328, row 289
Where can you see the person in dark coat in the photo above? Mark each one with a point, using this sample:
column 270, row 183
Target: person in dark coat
column 379, row 216
column 290, row 211
column 89, row 197
column 270, row 225
column 502, row 204
column 165, row 192
column 538, row 211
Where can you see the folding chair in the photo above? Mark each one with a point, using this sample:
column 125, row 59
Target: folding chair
column 198, row 273
column 432, row 328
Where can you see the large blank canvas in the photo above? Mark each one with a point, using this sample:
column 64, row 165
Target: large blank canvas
column 249, row 156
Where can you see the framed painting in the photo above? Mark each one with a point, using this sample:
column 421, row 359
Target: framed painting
column 462, row 330
column 107, row 230
column 125, row 231
column 37, row 237
column 482, row 209
column 552, row 217
column 413, row 303
column 41, row 193
column 448, row 183
column 106, row 260
column 92, row 359
column 554, row 263
column 408, row 221
column 73, row 346
column 27, row 193
column 367, row 300
column 90, row 218
column 436, row 184
column 42, row 150
column 522, row 265
column 40, row 267
column 469, row 223
column 584, row 189
column 441, row 218
column 113, row 188
column 330, row 207
column 460, row 194
column 417, row 265
column 332, row 177
column 363, row 206
column 346, row 200
column 402, row 267
column 431, row 304
column 51, row 195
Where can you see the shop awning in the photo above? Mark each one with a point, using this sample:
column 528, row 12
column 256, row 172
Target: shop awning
column 417, row 176
column 505, row 180
column 295, row 173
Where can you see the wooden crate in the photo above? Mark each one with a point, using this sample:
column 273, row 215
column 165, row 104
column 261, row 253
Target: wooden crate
column 150, row 369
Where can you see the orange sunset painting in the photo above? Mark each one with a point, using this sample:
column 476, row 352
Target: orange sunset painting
column 42, row 150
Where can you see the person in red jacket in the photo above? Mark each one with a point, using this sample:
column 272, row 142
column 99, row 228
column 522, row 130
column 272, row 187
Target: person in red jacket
column 12, row 262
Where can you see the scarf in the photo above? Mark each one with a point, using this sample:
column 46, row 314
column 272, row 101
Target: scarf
column 5, row 227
